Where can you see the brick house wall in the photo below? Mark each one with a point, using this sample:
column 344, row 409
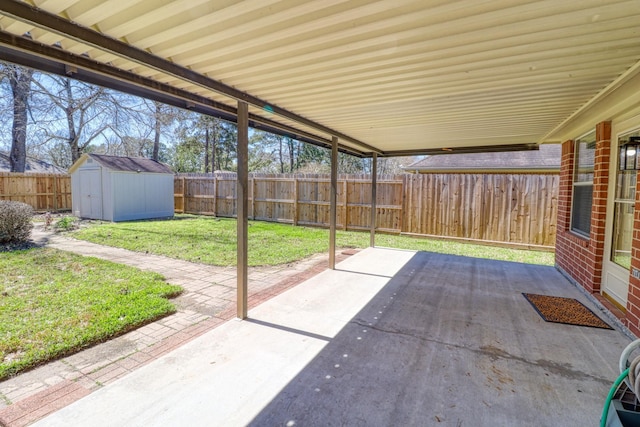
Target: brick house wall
column 632, row 320
column 578, row 256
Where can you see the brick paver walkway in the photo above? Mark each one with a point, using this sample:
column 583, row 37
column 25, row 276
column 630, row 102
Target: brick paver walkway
column 209, row 299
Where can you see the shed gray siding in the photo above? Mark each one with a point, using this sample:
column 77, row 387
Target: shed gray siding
column 147, row 195
column 144, row 193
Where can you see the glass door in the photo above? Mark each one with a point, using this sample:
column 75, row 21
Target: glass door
column 623, row 207
column 616, row 277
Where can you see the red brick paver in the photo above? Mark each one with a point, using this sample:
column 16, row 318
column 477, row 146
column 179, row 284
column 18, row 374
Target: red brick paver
column 205, row 304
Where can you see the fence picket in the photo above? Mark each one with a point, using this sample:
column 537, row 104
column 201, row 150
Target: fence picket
column 43, row 192
column 509, row 208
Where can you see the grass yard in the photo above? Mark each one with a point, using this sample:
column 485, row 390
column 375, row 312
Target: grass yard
column 213, row 241
column 54, row 303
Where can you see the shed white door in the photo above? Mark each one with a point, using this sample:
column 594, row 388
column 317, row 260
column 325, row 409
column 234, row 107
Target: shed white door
column 91, row 194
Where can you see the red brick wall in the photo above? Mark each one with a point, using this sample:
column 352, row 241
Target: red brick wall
column 633, row 298
column 580, row 257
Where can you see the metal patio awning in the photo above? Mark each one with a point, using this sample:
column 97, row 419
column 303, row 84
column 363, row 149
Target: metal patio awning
column 391, row 76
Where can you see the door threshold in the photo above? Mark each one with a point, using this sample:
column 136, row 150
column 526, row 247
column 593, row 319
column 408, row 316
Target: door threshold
column 608, row 298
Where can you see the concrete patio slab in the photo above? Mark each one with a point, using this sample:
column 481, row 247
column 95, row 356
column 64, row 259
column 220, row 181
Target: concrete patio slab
column 388, row 338
column 204, row 305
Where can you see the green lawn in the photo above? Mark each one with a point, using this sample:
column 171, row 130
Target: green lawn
column 54, row 303
column 213, row 241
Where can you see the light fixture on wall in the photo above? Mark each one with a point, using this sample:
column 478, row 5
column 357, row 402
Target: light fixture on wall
column 630, row 153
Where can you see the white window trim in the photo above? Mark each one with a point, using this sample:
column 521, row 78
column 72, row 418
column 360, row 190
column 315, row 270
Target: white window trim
column 575, row 184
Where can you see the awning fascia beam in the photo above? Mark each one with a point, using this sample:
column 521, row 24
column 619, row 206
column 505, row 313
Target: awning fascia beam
column 463, row 150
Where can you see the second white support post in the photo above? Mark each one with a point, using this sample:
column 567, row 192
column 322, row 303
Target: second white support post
column 374, row 184
column 333, row 201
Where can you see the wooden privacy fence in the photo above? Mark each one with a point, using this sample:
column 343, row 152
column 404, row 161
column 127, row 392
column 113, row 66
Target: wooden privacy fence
column 510, row 208
column 294, row 199
column 506, row 208
column 43, row 192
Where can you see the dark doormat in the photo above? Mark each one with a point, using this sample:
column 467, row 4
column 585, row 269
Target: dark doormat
column 565, row 310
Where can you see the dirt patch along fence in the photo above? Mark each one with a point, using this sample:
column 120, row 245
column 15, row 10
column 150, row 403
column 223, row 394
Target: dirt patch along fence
column 43, row 192
column 513, row 209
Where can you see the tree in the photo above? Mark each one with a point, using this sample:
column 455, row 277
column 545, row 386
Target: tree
column 187, row 156
column 225, row 142
column 312, row 156
column 67, row 118
column 76, row 113
column 139, row 128
column 350, row 164
column 215, row 138
column 157, row 127
column 282, row 148
column 394, row 165
column 20, row 79
column 163, row 116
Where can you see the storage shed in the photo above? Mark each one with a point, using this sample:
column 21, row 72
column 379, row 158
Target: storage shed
column 114, row 188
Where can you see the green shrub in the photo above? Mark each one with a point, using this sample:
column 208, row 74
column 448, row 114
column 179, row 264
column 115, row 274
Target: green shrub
column 66, row 223
column 15, row 221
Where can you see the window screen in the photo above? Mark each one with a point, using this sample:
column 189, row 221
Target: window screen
column 583, row 184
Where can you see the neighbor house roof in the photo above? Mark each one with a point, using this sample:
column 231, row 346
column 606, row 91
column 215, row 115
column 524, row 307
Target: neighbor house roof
column 123, row 164
column 546, row 159
column 32, row 165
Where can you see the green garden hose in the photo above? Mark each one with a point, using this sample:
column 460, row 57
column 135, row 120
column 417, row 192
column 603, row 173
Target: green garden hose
column 612, row 392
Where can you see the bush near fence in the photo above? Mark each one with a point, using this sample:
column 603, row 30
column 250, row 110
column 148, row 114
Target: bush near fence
column 517, row 209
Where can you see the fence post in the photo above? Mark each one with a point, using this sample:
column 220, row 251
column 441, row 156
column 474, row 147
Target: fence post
column 184, row 195
column 215, row 195
column 346, row 204
column 295, row 200
column 253, row 198
column 410, row 205
column 55, row 194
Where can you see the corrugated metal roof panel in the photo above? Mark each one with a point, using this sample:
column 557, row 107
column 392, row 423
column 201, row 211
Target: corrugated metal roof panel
column 397, row 74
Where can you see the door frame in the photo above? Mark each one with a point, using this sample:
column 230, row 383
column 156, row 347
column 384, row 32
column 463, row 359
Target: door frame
column 611, row 271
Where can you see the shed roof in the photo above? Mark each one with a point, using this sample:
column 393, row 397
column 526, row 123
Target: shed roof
column 547, row 158
column 396, row 75
column 32, row 165
column 124, row 164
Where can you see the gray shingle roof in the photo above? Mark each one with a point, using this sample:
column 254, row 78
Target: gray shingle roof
column 32, row 165
column 547, row 158
column 130, row 164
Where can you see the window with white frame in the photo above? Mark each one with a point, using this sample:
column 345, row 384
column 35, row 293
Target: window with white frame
column 583, row 184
